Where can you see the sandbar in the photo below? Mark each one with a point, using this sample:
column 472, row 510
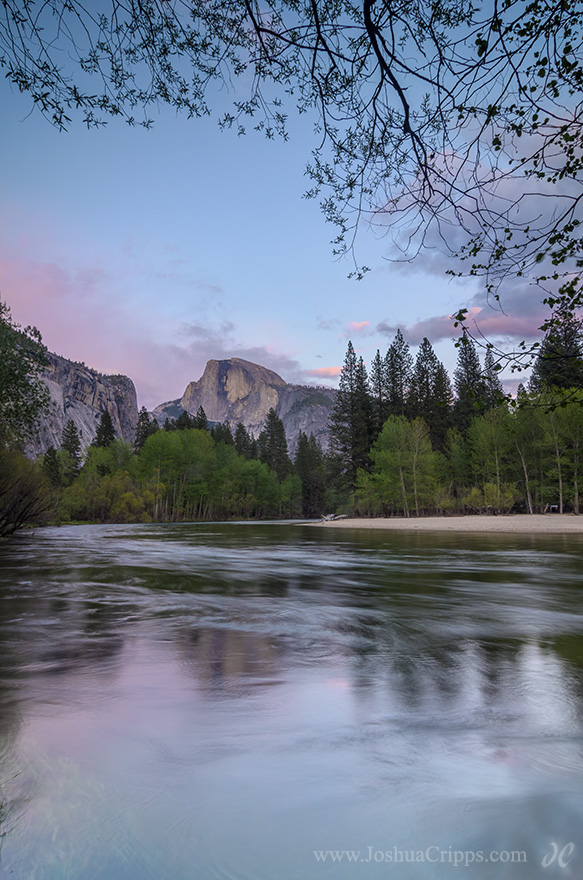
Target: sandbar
column 520, row 523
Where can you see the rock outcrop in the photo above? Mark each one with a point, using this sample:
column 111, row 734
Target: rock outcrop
column 82, row 394
column 236, row 390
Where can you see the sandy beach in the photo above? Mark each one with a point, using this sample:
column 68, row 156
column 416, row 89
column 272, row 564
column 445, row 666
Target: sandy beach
column 550, row 523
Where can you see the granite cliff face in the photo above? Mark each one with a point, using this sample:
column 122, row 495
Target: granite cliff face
column 82, row 394
column 235, row 390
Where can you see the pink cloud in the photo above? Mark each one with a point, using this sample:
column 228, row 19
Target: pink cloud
column 325, row 372
column 481, row 320
column 358, row 326
column 87, row 314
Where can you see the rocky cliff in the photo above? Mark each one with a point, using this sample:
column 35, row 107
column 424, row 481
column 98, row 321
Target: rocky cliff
column 235, row 391
column 82, row 394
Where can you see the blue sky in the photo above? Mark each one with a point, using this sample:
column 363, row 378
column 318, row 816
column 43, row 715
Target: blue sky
column 149, row 252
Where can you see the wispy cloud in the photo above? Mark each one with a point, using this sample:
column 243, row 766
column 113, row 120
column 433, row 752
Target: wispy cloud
column 324, row 372
column 328, row 323
column 87, row 314
column 358, row 327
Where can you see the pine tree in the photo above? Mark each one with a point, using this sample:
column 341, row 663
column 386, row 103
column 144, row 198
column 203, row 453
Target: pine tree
column 51, row 465
column 71, row 443
column 560, row 359
column 200, row 420
column 222, row 434
column 494, row 389
column 469, row 383
column 431, row 395
column 242, row 440
column 398, row 375
column 145, row 428
column 378, row 384
column 309, row 464
column 351, row 419
column 105, row 431
column 272, row 445
column 442, row 416
column 184, row 421
column 423, row 381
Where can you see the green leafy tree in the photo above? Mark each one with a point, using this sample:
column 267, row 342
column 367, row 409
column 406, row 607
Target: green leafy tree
column 25, row 493
column 403, row 478
column 490, row 450
column 23, row 394
column 527, row 436
column 105, row 431
column 571, row 432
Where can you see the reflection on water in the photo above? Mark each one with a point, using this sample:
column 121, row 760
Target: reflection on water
column 222, row 701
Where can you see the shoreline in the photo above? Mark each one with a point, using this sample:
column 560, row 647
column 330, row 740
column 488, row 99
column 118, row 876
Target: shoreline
column 519, row 523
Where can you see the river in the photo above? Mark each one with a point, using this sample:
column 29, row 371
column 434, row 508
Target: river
column 277, row 701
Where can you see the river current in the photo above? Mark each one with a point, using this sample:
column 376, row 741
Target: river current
column 277, row 701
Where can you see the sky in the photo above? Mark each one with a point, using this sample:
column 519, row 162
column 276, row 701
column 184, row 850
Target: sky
column 149, row 252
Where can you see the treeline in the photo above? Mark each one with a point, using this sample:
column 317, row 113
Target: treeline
column 405, row 442
column 187, row 470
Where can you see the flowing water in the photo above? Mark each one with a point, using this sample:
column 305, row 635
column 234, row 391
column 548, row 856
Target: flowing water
column 277, row 701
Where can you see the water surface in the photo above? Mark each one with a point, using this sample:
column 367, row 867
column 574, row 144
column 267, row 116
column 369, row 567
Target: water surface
column 235, row 701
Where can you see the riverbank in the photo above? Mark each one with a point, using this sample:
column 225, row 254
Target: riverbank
column 556, row 523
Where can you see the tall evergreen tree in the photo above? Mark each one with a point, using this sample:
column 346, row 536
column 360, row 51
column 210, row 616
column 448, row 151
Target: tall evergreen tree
column 442, row 416
column 272, row 445
column 222, row 434
column 242, row 440
column 398, row 375
column 145, row 427
column 470, row 387
column 309, row 464
column 423, row 379
column 378, row 385
column 200, row 420
column 51, row 465
column 431, row 395
column 493, row 385
column 71, row 443
column 105, row 431
column 560, row 358
column 184, row 421
column 351, row 419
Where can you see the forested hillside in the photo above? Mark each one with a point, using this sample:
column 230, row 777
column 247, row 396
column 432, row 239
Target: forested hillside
column 404, row 440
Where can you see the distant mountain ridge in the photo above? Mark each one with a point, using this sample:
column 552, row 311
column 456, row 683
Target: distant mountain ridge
column 232, row 390
column 236, row 390
column 81, row 394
